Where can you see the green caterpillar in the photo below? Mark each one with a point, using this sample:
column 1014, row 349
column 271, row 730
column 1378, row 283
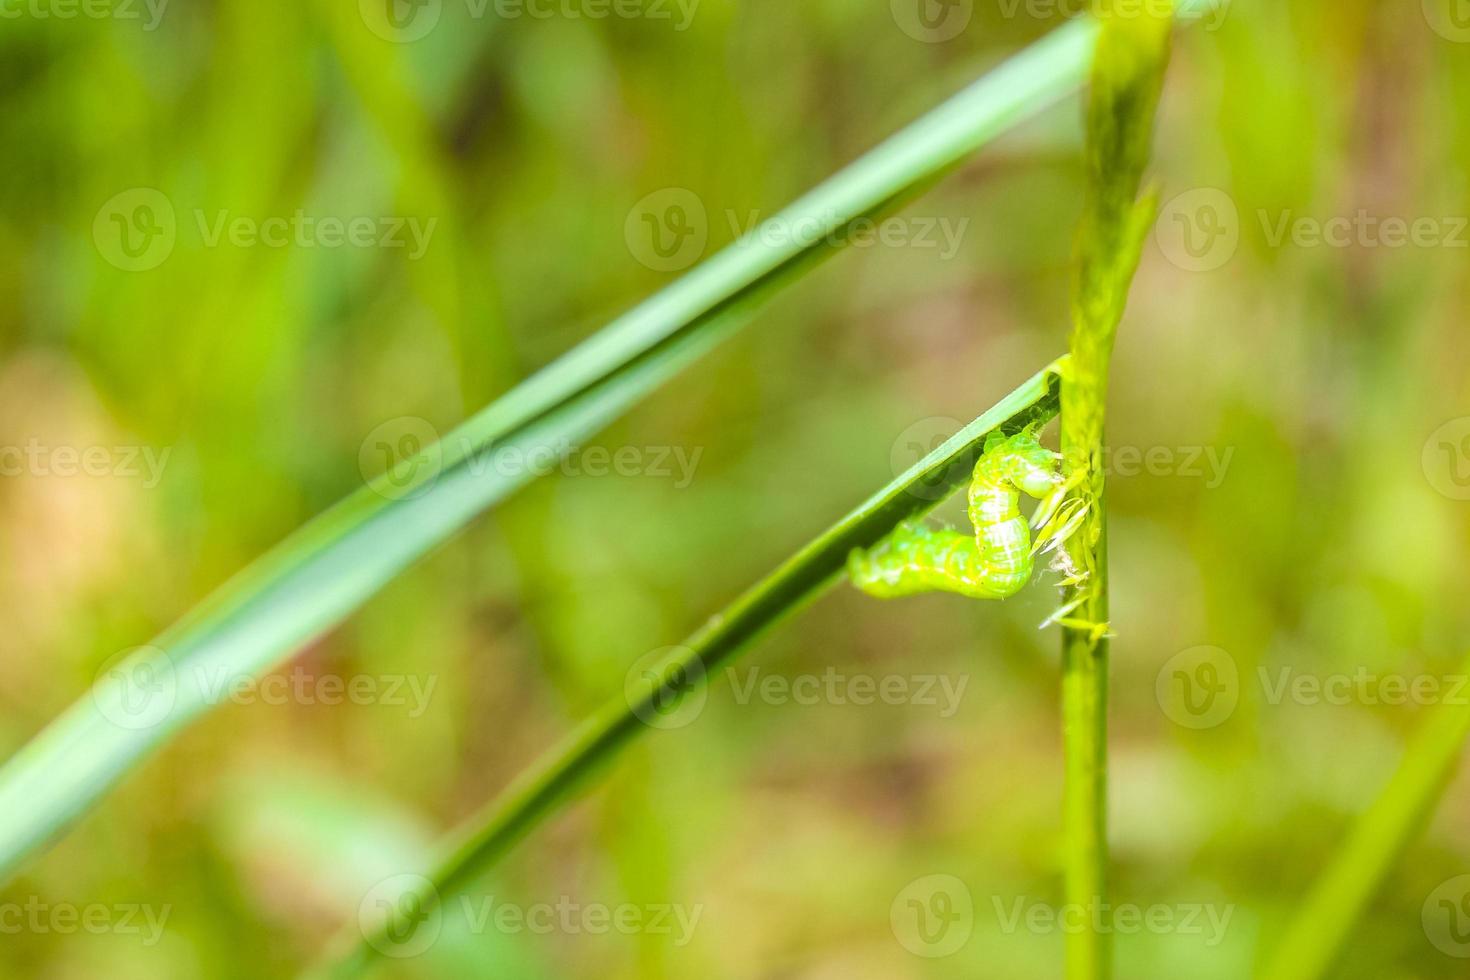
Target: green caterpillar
column 996, row 561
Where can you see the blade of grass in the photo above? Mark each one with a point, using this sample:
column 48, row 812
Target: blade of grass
column 319, row 575
column 533, row 796
column 1318, row 933
column 1132, row 53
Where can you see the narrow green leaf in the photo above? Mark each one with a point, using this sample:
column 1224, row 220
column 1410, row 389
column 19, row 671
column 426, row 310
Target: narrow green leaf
column 532, row 797
column 1318, row 934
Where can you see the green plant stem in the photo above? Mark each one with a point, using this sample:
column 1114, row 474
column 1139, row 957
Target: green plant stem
column 534, row 795
column 1084, row 819
column 1319, row 932
column 1132, row 53
column 1085, row 702
column 319, row 575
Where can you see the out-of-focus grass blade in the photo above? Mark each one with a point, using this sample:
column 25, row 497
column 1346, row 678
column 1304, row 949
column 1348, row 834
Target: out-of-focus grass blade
column 320, row 574
column 537, row 792
column 307, row 845
column 1319, row 932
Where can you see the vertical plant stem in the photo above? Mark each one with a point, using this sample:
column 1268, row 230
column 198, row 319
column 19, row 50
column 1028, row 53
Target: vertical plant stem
column 1084, row 822
column 1127, row 75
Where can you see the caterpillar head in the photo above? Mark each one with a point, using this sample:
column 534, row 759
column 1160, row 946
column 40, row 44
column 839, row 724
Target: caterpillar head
column 1030, row 466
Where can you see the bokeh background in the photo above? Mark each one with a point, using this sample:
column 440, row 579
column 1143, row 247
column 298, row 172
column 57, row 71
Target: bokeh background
column 1327, row 378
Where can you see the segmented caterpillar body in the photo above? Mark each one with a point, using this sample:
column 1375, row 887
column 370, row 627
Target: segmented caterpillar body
column 994, row 562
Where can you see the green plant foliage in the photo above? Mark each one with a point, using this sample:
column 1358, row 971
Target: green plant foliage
column 1322, row 928
column 486, row 838
column 320, row 574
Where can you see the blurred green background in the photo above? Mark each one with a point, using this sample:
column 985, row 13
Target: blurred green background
column 1326, row 378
